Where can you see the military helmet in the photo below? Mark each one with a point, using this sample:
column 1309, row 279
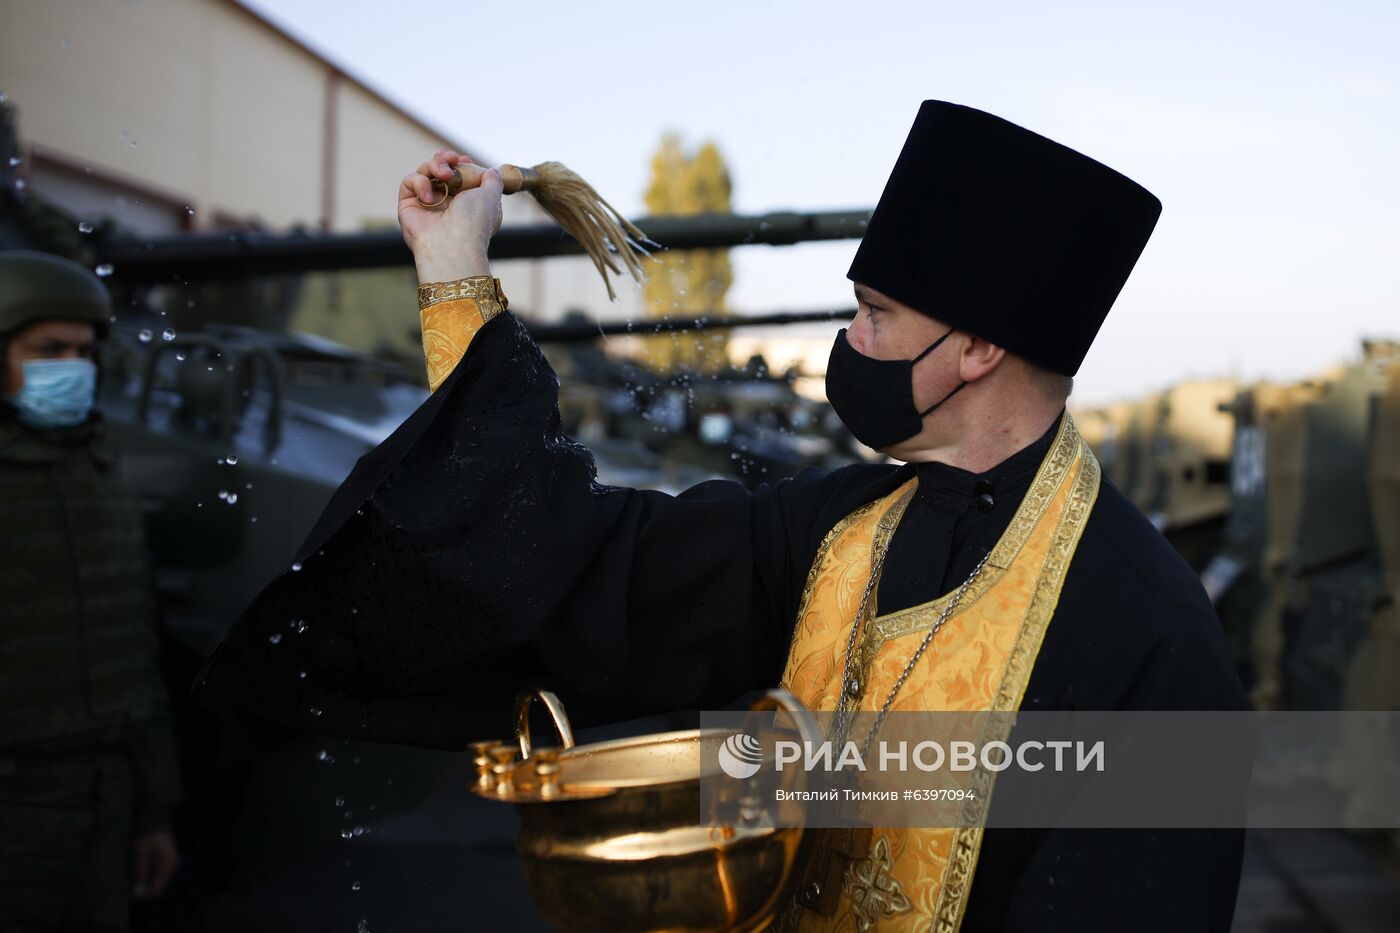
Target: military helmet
column 38, row 286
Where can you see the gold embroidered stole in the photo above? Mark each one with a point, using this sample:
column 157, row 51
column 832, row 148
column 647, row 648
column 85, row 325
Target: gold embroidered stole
column 979, row 661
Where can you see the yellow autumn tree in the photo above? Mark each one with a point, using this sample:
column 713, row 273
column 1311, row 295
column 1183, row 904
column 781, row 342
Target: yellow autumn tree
column 688, row 282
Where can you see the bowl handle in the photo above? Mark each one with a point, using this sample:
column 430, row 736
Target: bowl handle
column 556, row 713
column 783, row 701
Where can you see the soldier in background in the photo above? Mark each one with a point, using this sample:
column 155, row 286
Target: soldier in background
column 88, row 774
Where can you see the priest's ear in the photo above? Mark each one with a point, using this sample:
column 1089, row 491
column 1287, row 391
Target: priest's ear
column 979, row 358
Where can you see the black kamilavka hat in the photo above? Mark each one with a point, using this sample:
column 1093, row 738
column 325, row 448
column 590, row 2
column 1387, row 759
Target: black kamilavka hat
column 1003, row 233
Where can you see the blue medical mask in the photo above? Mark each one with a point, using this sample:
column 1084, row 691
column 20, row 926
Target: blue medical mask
column 56, row 393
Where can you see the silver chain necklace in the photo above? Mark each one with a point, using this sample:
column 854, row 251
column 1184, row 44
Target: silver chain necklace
column 851, row 687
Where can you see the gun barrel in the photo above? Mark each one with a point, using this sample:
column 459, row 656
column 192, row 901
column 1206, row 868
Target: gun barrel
column 579, row 331
column 230, row 255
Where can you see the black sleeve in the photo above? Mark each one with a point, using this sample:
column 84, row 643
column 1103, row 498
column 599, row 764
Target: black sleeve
column 472, row 554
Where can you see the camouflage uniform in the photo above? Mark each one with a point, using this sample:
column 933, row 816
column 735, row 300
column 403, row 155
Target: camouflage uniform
column 86, row 759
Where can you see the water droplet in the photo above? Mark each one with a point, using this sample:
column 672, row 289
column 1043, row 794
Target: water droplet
column 315, row 711
column 325, row 756
column 247, row 485
column 14, row 161
column 180, row 357
column 168, row 333
column 84, row 227
column 296, row 567
column 362, row 927
column 189, row 210
column 275, row 637
column 300, row 626
column 354, row 886
column 340, row 801
column 232, row 498
column 145, row 335
column 104, row 270
column 359, row 830
column 301, row 675
column 223, row 493
column 345, row 833
column 254, row 519
column 231, row 459
column 21, row 184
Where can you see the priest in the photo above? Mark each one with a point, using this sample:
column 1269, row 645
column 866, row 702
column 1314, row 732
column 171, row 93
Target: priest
column 473, row 553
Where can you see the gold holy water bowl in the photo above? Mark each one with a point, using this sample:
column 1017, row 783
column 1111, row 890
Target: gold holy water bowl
column 612, row 833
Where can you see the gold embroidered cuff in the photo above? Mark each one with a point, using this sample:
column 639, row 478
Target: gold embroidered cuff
column 485, row 290
column 448, row 329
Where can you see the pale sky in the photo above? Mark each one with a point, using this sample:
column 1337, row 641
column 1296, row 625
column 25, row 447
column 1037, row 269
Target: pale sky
column 1270, row 131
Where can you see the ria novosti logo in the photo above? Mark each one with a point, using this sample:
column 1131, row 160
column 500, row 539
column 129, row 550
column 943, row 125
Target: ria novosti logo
column 740, row 756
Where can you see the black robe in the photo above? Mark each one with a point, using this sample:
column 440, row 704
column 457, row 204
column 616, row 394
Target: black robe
column 473, row 553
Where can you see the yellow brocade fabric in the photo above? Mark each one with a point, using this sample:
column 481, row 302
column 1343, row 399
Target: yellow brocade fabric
column 980, row 660
column 448, row 329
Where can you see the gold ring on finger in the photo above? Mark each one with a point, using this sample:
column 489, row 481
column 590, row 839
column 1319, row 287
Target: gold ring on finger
column 441, row 201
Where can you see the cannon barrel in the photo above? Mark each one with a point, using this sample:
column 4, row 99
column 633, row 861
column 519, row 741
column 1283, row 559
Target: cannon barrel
column 238, row 254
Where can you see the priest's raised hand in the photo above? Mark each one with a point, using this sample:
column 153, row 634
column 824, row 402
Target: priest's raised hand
column 448, row 240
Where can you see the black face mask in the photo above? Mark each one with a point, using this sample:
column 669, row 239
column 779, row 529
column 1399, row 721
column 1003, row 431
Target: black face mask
column 875, row 398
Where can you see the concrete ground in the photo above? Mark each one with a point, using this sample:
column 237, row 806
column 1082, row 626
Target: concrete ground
column 1317, row 881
